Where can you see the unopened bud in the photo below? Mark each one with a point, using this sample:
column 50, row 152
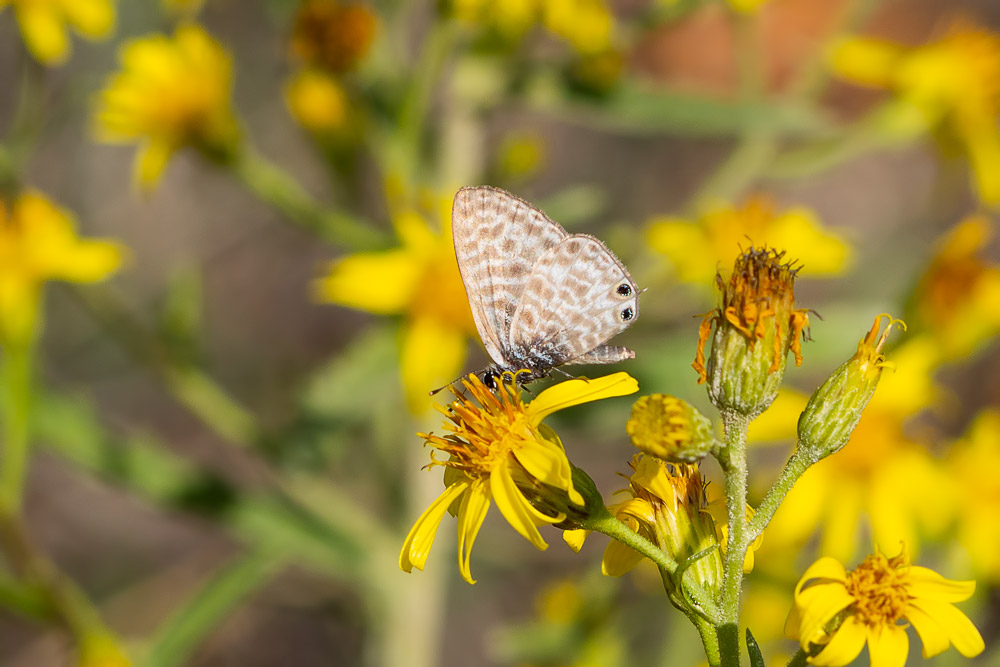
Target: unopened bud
column 670, row 429
column 835, row 408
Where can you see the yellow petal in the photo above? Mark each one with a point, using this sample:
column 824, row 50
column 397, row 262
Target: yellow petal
column 420, row 539
column 475, row 503
column 933, row 637
column 798, row 231
column 867, row 62
column 432, row 355
column 619, row 559
column 88, row 261
column 577, row 391
column 549, row 465
column 93, row 18
column 960, row 630
column 925, row 583
column 888, row 646
column 375, row 282
column 575, row 538
column 515, row 508
column 817, row 605
column 844, row 646
column 825, row 568
column 982, row 140
column 685, row 245
column 150, row 162
column 43, row 32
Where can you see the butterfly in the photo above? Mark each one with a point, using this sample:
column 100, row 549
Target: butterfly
column 540, row 296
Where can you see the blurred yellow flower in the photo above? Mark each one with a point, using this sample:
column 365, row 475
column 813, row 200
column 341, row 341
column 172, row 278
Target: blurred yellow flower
column 696, row 248
column 952, row 83
column 317, row 101
column 421, row 281
column 499, row 450
column 45, row 23
column 587, row 25
column 882, row 476
column 170, row 93
column 837, row 612
column 956, row 298
column 332, row 36
column 38, row 242
column 975, row 461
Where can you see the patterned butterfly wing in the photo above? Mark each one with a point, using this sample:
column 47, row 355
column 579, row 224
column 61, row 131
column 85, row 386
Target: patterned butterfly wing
column 577, row 297
column 498, row 240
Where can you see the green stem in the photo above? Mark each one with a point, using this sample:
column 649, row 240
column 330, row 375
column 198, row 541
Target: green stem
column 734, row 466
column 283, row 192
column 794, row 467
column 193, row 621
column 709, row 640
column 16, row 374
column 800, row 659
column 62, row 597
column 615, row 529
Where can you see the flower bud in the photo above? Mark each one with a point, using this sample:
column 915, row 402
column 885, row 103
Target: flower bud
column 670, row 429
column 754, row 329
column 835, row 408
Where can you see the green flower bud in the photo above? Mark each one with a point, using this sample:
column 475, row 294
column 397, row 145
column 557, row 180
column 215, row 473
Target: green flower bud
column 835, row 408
column 670, row 429
column 754, row 329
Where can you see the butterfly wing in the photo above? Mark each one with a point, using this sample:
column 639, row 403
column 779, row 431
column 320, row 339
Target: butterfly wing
column 498, row 240
column 577, row 297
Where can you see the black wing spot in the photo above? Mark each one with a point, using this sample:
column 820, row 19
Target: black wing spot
column 628, row 314
column 625, row 289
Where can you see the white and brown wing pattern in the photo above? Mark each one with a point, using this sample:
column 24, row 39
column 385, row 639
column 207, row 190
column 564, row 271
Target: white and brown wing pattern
column 577, row 297
column 498, row 240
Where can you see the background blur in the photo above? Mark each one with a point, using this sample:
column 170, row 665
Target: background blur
column 223, row 453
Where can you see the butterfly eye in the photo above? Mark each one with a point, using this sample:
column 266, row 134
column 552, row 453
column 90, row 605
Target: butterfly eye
column 625, row 290
column 490, row 380
column 628, row 314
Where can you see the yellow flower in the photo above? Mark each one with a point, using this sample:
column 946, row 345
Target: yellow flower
column 500, row 450
column 316, row 101
column 696, row 248
column 588, row 25
column 755, row 328
column 511, row 18
column 668, row 505
column 331, row 36
column 951, row 84
column 421, row 281
column 955, row 300
column 974, row 460
column 170, row 93
column 38, row 243
column 44, row 24
column 837, row 612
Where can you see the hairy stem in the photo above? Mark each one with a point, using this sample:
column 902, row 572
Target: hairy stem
column 734, row 466
column 794, row 468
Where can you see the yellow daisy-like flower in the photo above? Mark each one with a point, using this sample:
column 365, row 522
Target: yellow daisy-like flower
column 45, row 24
column 955, row 300
column 837, row 612
column 975, row 459
column 38, row 243
column 420, row 280
column 952, row 83
column 498, row 449
column 696, row 248
column 317, row 101
column 170, row 93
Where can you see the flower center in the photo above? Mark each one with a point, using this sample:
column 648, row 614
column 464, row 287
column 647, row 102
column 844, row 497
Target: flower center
column 878, row 587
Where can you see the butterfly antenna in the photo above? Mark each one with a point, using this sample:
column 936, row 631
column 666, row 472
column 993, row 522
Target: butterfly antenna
column 432, row 393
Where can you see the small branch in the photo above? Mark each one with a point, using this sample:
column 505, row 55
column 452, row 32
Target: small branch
column 794, row 468
column 734, row 466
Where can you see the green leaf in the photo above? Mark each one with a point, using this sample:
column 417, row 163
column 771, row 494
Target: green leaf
column 756, row 659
